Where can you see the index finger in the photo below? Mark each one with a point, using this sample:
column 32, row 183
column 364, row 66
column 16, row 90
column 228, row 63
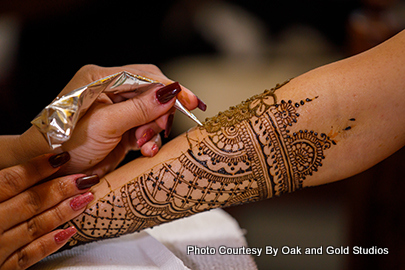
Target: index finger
column 18, row 178
column 186, row 96
column 91, row 73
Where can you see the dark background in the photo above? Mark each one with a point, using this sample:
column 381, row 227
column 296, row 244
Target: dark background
column 58, row 38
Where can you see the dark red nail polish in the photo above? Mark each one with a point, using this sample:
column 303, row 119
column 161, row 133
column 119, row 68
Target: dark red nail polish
column 147, row 135
column 81, row 201
column 65, row 234
column 59, row 159
column 201, row 105
column 169, row 124
column 87, row 181
column 168, row 92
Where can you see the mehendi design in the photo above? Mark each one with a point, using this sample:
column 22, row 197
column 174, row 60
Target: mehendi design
column 250, row 154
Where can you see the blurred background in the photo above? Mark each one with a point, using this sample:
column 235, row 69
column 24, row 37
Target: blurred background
column 224, row 51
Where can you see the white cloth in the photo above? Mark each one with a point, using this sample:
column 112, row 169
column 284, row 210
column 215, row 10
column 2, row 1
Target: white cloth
column 134, row 251
column 212, row 229
column 163, row 247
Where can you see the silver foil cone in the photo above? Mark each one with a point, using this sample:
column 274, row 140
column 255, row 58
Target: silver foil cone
column 57, row 120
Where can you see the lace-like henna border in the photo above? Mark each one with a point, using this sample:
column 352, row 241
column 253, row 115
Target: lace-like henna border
column 249, row 154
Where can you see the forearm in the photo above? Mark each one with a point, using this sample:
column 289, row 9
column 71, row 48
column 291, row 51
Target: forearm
column 359, row 107
column 326, row 125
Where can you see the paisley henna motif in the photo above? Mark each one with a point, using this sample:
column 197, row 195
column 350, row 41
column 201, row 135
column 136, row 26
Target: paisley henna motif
column 250, row 154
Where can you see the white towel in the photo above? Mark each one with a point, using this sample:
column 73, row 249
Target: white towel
column 163, row 247
column 134, row 251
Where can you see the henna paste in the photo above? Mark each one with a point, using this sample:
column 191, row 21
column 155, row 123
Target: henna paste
column 251, row 153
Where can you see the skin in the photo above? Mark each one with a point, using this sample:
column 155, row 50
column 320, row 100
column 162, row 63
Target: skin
column 108, row 131
column 323, row 126
column 29, row 235
column 32, row 194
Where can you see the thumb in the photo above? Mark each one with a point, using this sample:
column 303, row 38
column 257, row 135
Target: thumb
column 142, row 109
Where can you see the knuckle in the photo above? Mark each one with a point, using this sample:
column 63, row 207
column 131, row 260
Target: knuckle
column 40, row 224
column 22, row 259
column 62, row 188
column 12, row 180
column 152, row 68
column 88, row 72
column 33, row 228
column 88, row 68
column 141, row 110
column 26, row 256
column 33, row 201
column 42, row 248
column 58, row 215
column 36, row 170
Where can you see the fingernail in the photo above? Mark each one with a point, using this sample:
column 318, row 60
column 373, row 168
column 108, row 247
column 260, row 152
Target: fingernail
column 87, row 181
column 168, row 92
column 155, row 149
column 201, row 105
column 169, row 124
column 65, row 234
column 147, row 135
column 81, row 201
column 59, row 159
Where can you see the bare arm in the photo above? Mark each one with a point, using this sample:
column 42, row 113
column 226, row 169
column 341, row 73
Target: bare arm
column 323, row 126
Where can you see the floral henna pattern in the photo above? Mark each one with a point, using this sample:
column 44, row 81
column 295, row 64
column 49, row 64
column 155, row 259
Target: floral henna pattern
column 250, row 154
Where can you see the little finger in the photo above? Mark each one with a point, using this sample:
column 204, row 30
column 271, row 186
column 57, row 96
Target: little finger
column 39, row 249
column 151, row 148
column 146, row 132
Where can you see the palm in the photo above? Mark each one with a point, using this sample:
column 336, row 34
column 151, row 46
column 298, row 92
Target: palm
column 94, row 148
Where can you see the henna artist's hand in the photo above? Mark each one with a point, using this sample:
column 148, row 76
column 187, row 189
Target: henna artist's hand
column 115, row 124
column 31, row 209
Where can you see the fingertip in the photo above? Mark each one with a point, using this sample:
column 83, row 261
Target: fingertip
column 62, row 236
column 81, row 201
column 201, row 105
column 59, row 159
column 87, row 181
column 168, row 92
column 147, row 135
column 188, row 99
column 150, row 149
column 154, row 150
